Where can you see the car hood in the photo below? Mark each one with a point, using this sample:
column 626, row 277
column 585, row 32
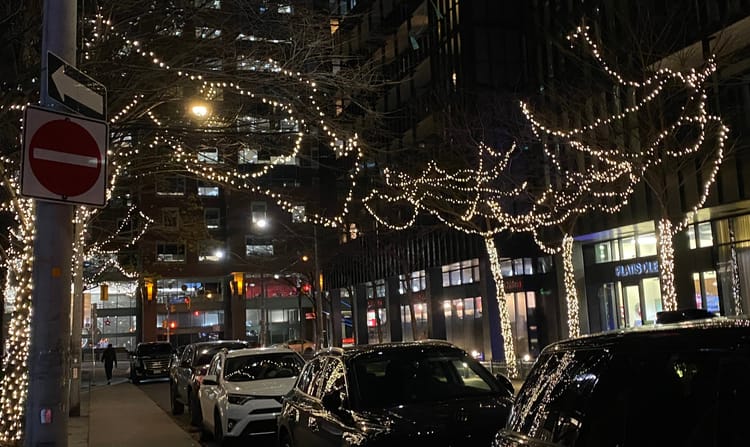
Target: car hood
column 264, row 387
column 454, row 422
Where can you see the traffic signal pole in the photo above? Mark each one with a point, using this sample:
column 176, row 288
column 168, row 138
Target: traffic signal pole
column 49, row 356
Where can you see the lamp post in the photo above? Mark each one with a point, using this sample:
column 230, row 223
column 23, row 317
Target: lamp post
column 315, row 282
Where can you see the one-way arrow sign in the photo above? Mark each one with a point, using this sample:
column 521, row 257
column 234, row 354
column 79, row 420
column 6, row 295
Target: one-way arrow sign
column 74, row 89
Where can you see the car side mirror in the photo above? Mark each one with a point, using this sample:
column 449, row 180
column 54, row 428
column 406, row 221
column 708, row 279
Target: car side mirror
column 506, row 384
column 210, row 380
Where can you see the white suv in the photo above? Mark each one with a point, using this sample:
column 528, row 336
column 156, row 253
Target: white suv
column 241, row 394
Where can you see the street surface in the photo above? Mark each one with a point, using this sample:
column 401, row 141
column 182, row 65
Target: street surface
column 158, row 391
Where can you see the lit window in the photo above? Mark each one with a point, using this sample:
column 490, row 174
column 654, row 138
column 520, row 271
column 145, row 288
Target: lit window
column 247, row 156
column 208, row 190
column 255, row 246
column 170, row 252
column 705, row 235
column 417, row 281
column 209, row 155
column 647, row 244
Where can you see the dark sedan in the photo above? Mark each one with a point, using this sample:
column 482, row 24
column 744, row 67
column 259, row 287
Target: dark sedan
column 427, row 393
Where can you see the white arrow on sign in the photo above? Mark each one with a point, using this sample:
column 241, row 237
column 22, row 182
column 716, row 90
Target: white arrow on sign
column 68, row 86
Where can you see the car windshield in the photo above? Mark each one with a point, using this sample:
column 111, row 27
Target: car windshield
column 262, row 366
column 388, row 379
column 155, row 349
column 207, row 353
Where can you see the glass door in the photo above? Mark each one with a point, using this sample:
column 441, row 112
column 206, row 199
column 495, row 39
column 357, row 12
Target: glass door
column 631, row 297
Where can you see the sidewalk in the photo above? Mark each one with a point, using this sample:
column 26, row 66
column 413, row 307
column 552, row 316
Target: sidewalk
column 121, row 415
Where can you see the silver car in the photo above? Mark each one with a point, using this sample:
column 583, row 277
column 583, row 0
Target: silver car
column 241, row 394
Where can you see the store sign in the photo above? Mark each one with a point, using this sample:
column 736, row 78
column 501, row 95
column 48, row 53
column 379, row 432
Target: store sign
column 637, row 268
column 513, row 284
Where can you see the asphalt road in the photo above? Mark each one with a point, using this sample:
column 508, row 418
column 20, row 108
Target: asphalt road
column 158, row 391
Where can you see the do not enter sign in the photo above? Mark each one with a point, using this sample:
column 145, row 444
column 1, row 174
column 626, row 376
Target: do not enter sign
column 64, row 157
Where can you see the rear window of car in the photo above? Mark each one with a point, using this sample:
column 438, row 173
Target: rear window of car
column 259, row 367
column 597, row 397
column 206, row 353
column 155, row 349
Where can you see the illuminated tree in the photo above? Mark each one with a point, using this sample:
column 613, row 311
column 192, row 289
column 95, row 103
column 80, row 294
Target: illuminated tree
column 662, row 128
column 184, row 81
column 465, row 200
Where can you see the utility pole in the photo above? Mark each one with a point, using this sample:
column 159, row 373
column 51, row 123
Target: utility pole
column 322, row 339
column 49, row 357
column 77, row 323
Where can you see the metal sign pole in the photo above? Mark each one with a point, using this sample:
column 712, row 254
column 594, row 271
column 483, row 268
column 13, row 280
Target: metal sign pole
column 49, row 358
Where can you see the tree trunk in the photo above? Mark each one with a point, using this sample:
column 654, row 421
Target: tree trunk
column 571, row 295
column 665, row 241
column 506, row 332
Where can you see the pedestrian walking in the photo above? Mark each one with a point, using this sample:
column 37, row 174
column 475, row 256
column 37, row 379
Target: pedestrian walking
column 109, row 357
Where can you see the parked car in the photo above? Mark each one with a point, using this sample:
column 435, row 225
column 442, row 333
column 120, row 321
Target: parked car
column 186, row 375
column 682, row 384
column 241, row 394
column 411, row 393
column 305, row 347
column 150, row 360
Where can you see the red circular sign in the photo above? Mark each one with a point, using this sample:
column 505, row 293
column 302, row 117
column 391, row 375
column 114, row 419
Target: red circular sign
column 65, row 158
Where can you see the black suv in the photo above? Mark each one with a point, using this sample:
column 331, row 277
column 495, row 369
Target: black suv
column 186, row 375
column 150, row 360
column 429, row 393
column 677, row 384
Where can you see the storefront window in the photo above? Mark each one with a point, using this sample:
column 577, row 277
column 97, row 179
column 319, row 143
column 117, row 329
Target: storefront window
column 544, row 264
column 632, row 300
column 506, row 268
column 706, row 291
column 628, row 248
column 705, row 236
column 606, row 252
column 465, row 272
column 652, row 298
column 647, row 244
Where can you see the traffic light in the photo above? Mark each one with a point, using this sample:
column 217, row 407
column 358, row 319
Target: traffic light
column 172, row 324
column 187, row 302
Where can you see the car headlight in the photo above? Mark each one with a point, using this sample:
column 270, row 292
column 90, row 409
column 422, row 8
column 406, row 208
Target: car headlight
column 238, row 399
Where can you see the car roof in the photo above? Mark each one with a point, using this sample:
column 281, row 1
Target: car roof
column 357, row 350
column 713, row 331
column 258, row 351
column 203, row 344
column 147, row 343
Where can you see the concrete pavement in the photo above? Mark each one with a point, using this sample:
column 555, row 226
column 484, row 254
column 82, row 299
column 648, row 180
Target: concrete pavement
column 121, row 415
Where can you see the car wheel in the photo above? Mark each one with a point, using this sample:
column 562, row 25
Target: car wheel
column 177, row 407
column 218, row 432
column 285, row 440
column 195, row 411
